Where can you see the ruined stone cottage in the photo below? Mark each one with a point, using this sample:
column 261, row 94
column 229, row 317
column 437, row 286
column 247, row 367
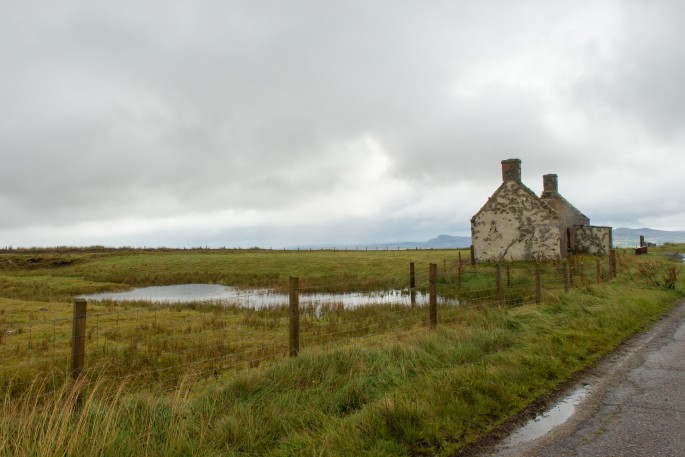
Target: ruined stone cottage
column 516, row 224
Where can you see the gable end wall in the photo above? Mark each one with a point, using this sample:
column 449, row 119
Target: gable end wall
column 515, row 225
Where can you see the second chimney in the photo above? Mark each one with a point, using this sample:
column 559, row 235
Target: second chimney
column 550, row 183
column 511, row 170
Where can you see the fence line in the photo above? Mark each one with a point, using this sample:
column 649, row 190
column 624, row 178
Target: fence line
column 106, row 340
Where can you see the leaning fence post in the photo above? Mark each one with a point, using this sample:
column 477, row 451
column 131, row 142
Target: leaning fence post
column 538, row 286
column 78, row 338
column 294, row 316
column 433, row 295
column 564, row 267
column 498, row 281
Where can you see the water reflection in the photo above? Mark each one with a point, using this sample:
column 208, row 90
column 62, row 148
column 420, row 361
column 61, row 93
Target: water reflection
column 263, row 298
column 545, row 422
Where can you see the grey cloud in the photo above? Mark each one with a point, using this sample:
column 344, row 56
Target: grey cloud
column 155, row 109
column 642, row 79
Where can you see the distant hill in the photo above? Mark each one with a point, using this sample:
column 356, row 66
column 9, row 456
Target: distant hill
column 627, row 237
column 448, row 241
column 439, row 242
column 623, row 237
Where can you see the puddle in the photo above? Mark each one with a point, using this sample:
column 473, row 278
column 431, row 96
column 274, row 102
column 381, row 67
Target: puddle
column 219, row 294
column 545, row 422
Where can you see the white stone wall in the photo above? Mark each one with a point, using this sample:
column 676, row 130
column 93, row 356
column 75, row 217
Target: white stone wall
column 515, row 225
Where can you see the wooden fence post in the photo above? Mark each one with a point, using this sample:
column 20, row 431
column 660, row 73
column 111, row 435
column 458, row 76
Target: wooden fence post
column 599, row 272
column 412, row 283
column 564, row 267
column 294, row 316
column 498, row 281
column 78, row 338
column 538, row 285
column 433, row 292
column 571, row 267
column 473, row 256
column 612, row 263
column 460, row 269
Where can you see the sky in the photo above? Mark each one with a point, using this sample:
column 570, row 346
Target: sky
column 279, row 123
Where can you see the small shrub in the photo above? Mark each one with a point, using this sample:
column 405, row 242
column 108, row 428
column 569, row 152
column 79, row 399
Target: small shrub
column 671, row 277
column 657, row 274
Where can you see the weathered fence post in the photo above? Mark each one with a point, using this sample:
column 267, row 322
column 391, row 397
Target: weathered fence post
column 78, row 338
column 538, row 285
column 498, row 281
column 78, row 345
column 473, row 256
column 412, row 283
column 460, row 268
column 433, row 295
column 612, row 263
column 564, row 268
column 294, row 316
column 599, row 272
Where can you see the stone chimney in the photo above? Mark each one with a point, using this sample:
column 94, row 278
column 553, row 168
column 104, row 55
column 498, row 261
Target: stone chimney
column 511, row 170
column 550, row 184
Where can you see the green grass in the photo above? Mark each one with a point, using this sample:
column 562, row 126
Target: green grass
column 394, row 388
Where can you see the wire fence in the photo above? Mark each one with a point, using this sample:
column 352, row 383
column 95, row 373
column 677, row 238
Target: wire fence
column 166, row 346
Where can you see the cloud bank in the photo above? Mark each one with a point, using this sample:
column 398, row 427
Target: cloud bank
column 278, row 123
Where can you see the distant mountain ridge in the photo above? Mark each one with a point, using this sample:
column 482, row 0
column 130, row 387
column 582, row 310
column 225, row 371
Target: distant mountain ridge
column 439, row 242
column 622, row 237
column 627, row 237
column 448, row 241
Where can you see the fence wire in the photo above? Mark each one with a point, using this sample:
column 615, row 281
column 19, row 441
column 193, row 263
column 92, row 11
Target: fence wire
column 166, row 344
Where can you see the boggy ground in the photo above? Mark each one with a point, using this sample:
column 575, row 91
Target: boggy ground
column 403, row 391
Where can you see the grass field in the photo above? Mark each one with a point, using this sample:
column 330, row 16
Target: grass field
column 214, row 380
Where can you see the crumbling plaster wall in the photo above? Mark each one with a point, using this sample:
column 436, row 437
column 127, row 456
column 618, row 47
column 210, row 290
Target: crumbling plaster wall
column 515, row 225
column 593, row 240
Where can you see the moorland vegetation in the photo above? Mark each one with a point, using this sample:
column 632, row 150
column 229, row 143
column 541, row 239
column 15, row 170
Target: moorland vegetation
column 211, row 379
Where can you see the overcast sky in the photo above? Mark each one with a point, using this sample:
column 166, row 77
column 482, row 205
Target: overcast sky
column 279, row 123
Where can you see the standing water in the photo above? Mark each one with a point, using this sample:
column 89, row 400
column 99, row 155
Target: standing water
column 545, row 422
column 261, row 298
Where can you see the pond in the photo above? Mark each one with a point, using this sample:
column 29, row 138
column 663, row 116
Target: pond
column 262, row 298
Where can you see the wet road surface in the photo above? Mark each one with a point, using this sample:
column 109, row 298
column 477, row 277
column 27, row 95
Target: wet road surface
column 634, row 405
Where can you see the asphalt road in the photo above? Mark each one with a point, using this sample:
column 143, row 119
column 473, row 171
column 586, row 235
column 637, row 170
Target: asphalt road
column 635, row 405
